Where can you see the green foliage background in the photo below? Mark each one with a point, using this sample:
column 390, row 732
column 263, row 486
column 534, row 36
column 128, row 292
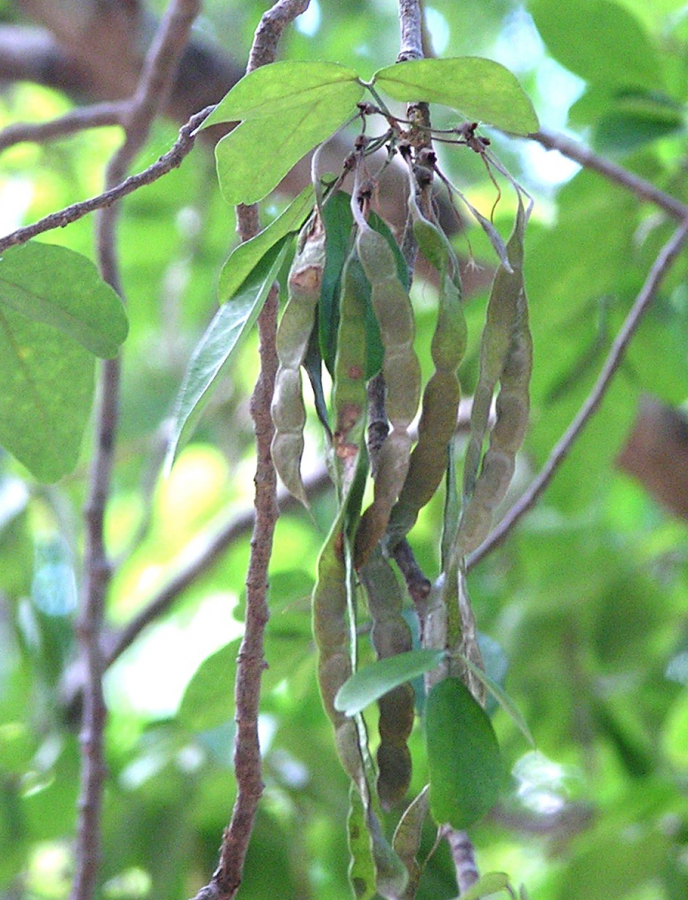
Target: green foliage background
column 587, row 599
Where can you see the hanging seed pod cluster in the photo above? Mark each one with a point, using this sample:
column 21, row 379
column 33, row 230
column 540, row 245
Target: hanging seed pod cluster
column 349, row 311
column 349, row 269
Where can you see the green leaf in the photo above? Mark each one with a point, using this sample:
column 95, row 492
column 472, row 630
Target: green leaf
column 274, row 90
column 254, row 157
column 478, row 88
column 463, row 755
column 244, row 258
column 602, row 42
column 208, row 700
column 47, row 389
column 377, row 679
column 61, row 288
column 631, row 125
column 216, row 349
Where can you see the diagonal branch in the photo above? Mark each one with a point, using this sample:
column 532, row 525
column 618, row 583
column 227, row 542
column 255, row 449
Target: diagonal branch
column 661, row 266
column 95, row 116
column 589, row 160
column 63, row 217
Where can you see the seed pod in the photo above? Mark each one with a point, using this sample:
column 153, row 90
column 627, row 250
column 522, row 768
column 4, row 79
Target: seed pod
column 506, row 356
column 401, row 371
column 390, row 635
column 349, row 391
column 293, row 334
column 440, row 402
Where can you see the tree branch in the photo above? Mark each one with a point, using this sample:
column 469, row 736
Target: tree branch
column 589, row 160
column 647, row 294
column 95, row 116
column 251, row 662
column 411, row 24
column 63, row 217
column 155, row 80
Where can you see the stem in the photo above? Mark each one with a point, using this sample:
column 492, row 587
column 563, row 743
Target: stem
column 157, row 75
column 661, row 266
column 463, row 854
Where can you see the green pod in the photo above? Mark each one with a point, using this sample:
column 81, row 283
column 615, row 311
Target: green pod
column 349, row 391
column 505, row 356
column 510, row 426
column 429, row 458
column 407, row 840
column 297, row 322
column 463, row 755
column 391, row 635
column 439, row 411
column 376, row 256
column 289, row 418
column 393, row 311
column 392, row 467
column 451, row 332
column 403, row 382
column 495, row 477
column 401, row 370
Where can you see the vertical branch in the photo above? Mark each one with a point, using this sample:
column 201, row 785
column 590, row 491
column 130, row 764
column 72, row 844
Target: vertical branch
column 250, row 664
column 411, row 24
column 155, row 83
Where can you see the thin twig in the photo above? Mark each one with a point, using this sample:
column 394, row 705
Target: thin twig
column 63, row 217
column 251, row 662
column 613, row 172
column 95, row 116
column 661, row 266
column 156, row 78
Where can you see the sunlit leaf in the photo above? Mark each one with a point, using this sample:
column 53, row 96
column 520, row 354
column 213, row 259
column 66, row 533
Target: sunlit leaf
column 244, row 258
column 58, row 287
column 382, row 676
column 463, row 755
column 480, row 89
column 216, row 349
column 280, row 88
column 47, row 389
column 254, row 157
